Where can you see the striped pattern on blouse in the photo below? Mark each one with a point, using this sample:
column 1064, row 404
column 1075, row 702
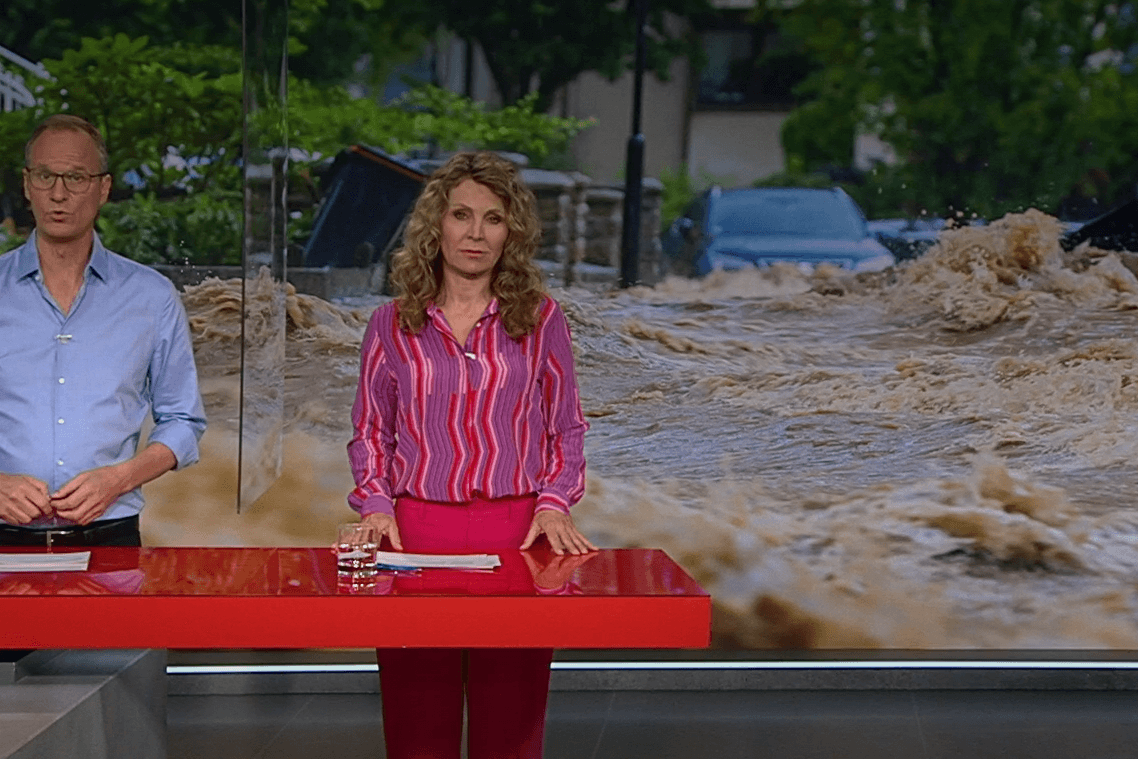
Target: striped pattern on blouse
column 440, row 421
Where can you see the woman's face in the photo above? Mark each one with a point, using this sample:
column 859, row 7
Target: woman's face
column 474, row 231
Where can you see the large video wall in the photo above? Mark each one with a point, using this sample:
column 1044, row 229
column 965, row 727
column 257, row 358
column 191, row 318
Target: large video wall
column 939, row 456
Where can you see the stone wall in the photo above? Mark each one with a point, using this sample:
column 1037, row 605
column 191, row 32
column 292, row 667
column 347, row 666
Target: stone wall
column 582, row 222
column 581, row 237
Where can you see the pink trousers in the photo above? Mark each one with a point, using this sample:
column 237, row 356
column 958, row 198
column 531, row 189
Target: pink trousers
column 506, row 690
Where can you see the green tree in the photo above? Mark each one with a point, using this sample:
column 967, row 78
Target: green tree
column 327, row 37
column 169, row 127
column 39, row 29
column 323, row 120
column 539, row 46
column 991, row 105
column 331, row 36
column 159, row 120
column 149, row 112
column 172, row 119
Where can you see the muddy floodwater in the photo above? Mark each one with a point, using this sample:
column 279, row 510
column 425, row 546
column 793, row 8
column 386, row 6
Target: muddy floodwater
column 938, row 456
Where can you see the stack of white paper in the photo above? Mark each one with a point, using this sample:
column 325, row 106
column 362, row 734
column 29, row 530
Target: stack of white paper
column 399, row 560
column 45, row 562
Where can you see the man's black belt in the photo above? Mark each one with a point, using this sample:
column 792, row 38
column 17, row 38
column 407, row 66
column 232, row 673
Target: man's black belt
column 92, row 534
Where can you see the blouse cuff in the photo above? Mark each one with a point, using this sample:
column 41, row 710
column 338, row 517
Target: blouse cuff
column 377, row 504
column 550, row 502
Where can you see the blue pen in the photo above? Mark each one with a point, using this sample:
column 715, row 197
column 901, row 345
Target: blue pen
column 398, row 569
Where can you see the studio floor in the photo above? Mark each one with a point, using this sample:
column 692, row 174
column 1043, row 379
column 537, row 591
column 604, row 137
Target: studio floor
column 799, row 724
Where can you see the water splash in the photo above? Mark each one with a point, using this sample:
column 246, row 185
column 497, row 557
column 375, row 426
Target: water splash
column 925, row 457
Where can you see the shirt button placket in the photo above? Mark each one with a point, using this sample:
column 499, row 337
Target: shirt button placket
column 468, row 376
column 60, row 404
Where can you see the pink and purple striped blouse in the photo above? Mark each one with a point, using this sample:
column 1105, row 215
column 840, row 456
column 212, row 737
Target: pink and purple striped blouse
column 441, row 421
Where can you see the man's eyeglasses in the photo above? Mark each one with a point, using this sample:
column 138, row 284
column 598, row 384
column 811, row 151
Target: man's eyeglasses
column 73, row 181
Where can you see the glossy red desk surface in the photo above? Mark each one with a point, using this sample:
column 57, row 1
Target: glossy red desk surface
column 290, row 598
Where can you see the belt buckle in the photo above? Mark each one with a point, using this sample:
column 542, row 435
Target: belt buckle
column 49, row 533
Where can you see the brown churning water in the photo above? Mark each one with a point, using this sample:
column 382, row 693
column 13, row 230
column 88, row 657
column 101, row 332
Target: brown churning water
column 938, row 456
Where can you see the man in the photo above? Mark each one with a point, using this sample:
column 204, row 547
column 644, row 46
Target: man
column 89, row 343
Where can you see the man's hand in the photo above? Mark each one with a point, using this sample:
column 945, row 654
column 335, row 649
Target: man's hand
column 89, row 494
column 23, row 498
column 559, row 529
column 385, row 525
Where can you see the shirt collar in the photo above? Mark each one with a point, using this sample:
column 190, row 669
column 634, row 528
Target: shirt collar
column 100, row 259
column 29, row 261
column 491, row 310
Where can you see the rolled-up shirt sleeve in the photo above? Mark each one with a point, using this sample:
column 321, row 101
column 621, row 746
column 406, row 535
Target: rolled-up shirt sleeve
column 176, row 403
column 563, row 479
column 372, row 446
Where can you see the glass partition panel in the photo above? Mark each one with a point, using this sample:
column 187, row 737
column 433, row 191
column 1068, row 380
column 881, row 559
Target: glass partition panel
column 265, row 56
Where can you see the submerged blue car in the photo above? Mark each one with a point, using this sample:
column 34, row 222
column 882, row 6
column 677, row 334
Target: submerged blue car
column 732, row 229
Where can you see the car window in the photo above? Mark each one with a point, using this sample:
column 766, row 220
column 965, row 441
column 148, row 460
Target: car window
column 805, row 214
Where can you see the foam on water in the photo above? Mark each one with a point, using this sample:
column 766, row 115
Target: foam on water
column 936, row 456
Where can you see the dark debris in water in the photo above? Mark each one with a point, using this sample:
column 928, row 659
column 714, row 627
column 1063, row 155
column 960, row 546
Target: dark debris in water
column 982, row 562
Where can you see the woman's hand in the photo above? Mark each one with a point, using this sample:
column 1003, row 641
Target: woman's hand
column 557, row 571
column 560, row 531
column 384, row 524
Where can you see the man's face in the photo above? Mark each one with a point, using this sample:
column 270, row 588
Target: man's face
column 62, row 215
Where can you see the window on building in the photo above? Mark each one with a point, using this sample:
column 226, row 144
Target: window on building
column 748, row 65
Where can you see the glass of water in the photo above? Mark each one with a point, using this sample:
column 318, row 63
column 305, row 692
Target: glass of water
column 356, row 546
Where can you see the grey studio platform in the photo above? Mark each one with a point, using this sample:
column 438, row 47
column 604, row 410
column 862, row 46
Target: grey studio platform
column 70, row 704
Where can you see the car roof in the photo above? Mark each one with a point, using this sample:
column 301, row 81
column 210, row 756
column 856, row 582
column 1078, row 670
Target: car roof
column 831, row 197
column 796, row 206
column 776, row 191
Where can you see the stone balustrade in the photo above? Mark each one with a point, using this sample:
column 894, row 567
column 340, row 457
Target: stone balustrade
column 582, row 223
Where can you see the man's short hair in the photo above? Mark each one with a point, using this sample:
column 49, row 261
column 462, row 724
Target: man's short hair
column 67, row 123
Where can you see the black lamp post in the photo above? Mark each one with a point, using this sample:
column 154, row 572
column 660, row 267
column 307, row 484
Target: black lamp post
column 634, row 165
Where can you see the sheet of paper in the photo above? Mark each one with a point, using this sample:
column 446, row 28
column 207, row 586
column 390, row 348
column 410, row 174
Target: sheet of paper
column 45, row 562
column 438, row 561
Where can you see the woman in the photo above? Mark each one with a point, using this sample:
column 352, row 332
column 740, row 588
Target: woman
column 469, row 437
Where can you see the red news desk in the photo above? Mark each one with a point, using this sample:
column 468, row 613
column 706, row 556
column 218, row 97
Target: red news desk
column 291, row 598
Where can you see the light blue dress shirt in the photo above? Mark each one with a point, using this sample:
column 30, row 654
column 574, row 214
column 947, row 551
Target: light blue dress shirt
column 75, row 388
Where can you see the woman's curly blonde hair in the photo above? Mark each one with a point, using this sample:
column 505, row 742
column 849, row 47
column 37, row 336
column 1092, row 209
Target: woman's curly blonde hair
column 416, row 269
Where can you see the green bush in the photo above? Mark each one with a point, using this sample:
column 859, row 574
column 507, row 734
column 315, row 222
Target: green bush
column 679, row 190
column 202, row 229
column 10, row 239
column 325, row 120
